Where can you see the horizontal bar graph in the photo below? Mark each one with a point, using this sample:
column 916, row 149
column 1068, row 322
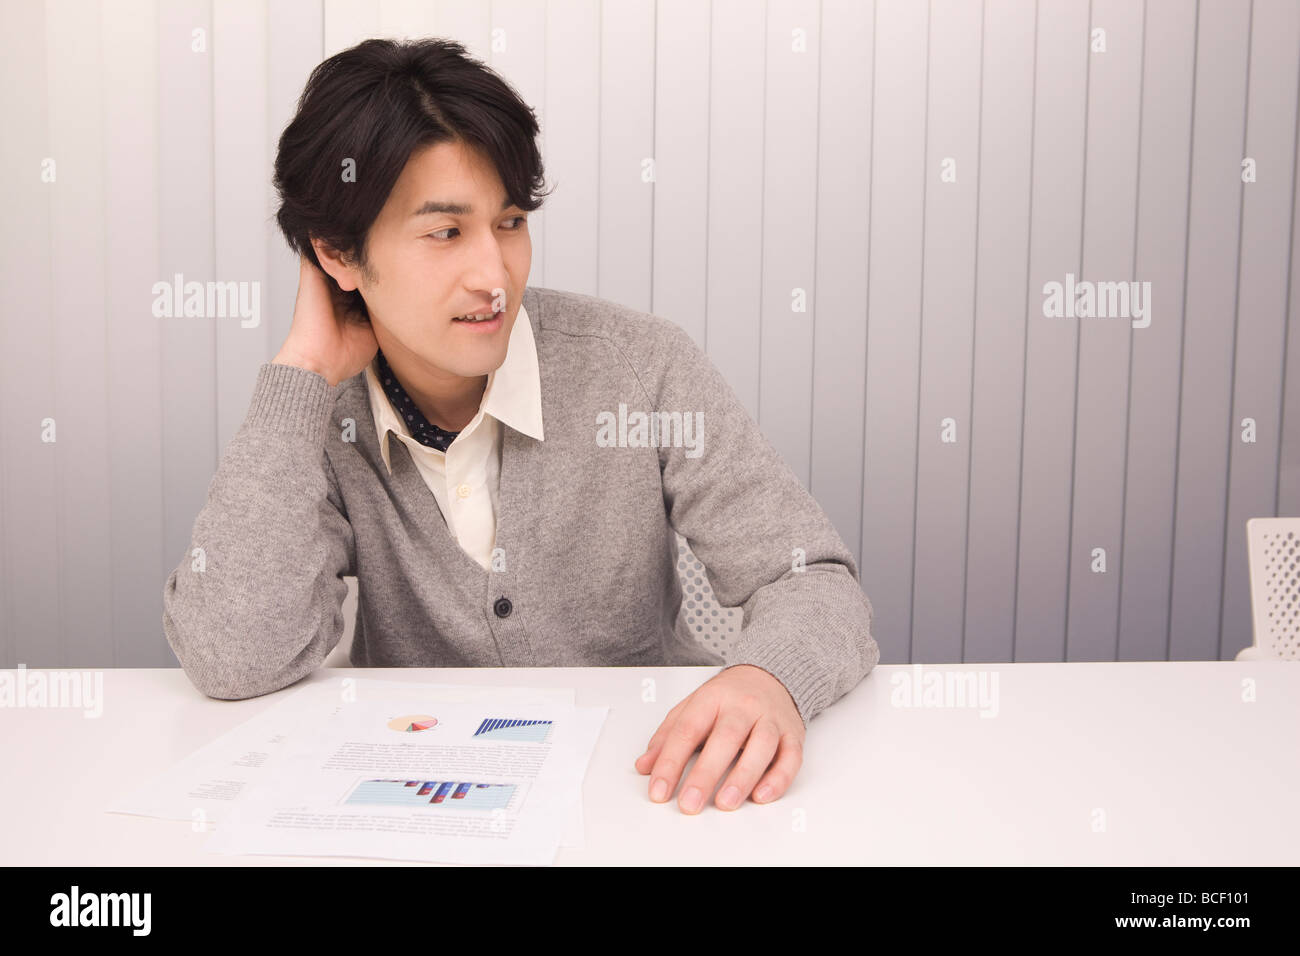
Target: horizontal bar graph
column 501, row 728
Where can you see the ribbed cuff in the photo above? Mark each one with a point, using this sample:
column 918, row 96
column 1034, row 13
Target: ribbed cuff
column 292, row 400
column 789, row 661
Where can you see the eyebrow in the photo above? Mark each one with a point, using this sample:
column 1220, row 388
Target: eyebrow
column 451, row 208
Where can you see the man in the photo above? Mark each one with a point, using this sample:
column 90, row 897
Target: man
column 398, row 436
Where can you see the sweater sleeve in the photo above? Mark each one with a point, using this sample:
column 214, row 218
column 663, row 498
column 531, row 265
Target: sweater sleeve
column 260, row 605
column 765, row 543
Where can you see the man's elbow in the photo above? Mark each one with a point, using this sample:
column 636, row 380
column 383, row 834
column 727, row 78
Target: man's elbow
column 223, row 684
column 224, row 679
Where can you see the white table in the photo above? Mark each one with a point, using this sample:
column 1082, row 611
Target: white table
column 1084, row 764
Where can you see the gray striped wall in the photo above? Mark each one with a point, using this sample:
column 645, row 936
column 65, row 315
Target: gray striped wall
column 799, row 151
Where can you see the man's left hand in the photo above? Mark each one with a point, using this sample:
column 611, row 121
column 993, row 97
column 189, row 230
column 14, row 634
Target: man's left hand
column 741, row 703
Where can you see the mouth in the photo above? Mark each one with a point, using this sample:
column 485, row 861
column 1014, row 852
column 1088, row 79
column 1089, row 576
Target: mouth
column 484, row 323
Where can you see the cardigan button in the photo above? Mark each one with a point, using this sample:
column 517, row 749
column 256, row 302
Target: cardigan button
column 503, row 607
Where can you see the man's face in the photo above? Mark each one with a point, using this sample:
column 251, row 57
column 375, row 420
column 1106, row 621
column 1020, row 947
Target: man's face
column 429, row 266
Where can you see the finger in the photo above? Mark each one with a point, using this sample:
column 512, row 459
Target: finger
column 789, row 758
column 725, row 741
column 684, row 737
column 646, row 761
column 763, row 743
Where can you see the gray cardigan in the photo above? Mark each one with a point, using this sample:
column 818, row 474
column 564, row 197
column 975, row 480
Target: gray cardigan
column 584, row 566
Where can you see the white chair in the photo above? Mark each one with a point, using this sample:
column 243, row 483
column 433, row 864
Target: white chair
column 339, row 656
column 1273, row 546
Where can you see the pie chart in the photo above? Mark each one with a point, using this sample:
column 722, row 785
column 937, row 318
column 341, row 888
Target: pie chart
column 412, row 723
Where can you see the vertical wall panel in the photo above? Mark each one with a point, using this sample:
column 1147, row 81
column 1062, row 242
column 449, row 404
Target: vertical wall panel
column 77, row 251
column 735, row 216
column 406, row 19
column 843, row 227
column 348, row 22
column 893, row 333
column 681, row 148
column 952, row 177
column 789, row 301
column 1170, row 46
column 1060, row 108
column 139, row 562
column 572, row 113
column 1001, row 301
column 295, row 38
column 1288, row 494
column 28, row 350
column 1261, row 300
column 185, row 231
column 1102, row 397
column 626, row 199
column 239, row 63
column 1205, row 429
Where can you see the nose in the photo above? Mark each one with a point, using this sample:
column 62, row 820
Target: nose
column 487, row 272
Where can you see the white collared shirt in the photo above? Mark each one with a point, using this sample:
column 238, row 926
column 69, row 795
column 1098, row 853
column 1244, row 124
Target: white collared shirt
column 466, row 478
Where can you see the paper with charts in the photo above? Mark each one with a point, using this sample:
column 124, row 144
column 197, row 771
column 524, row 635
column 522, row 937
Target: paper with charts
column 203, row 786
column 475, row 781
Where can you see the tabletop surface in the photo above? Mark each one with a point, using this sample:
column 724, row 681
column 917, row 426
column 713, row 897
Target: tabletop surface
column 1146, row 763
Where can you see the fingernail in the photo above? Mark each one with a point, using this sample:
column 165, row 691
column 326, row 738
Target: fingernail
column 691, row 799
column 659, row 791
column 730, row 797
column 763, row 793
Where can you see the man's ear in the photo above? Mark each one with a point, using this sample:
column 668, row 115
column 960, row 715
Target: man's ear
column 335, row 265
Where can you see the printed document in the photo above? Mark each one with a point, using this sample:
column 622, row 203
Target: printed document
column 466, row 775
column 204, row 786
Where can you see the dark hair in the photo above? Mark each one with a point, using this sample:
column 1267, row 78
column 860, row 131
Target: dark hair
column 376, row 103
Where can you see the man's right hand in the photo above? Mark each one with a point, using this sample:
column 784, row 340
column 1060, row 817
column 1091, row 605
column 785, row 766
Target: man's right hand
column 323, row 338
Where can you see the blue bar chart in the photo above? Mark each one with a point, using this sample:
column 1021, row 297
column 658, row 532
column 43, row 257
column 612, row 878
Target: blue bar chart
column 453, row 794
column 504, row 728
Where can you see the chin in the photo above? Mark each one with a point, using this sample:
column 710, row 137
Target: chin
column 470, row 366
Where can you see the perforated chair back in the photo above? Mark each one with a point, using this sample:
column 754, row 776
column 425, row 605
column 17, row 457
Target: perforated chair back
column 712, row 625
column 1273, row 545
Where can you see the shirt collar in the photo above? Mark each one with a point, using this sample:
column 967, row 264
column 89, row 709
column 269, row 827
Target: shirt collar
column 513, row 395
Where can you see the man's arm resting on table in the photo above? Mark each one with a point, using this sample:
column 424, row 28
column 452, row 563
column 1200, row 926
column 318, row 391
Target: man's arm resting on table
column 256, row 603
column 767, row 546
